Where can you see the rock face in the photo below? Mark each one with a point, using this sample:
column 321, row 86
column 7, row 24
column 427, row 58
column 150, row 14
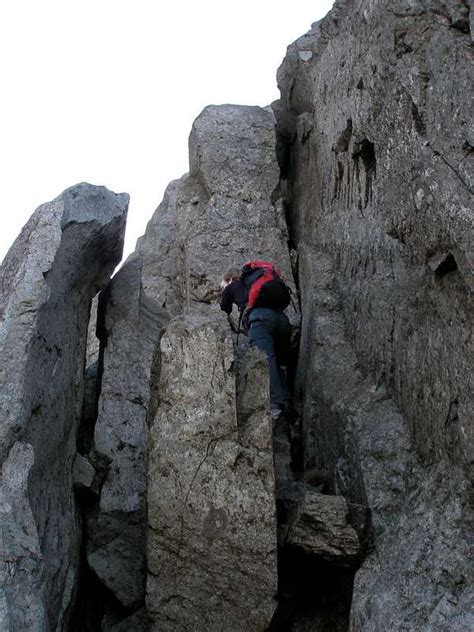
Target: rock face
column 212, row 550
column 178, row 476
column 212, row 539
column 129, row 328
column 133, row 311
column 376, row 150
column 211, row 220
column 64, row 255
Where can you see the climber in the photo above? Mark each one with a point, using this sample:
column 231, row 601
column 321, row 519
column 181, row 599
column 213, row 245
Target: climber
column 261, row 295
column 233, row 291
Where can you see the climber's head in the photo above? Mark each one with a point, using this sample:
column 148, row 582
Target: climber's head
column 228, row 277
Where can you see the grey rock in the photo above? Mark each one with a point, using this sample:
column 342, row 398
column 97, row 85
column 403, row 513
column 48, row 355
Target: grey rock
column 137, row 622
column 92, row 350
column 380, row 197
column 212, row 537
column 231, row 152
column 232, row 157
column 22, row 606
column 209, row 221
column 133, row 310
column 252, row 398
column 129, row 329
column 63, row 256
column 237, row 212
column 324, row 529
column 83, row 472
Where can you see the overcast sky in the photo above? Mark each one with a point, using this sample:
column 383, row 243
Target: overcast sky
column 105, row 91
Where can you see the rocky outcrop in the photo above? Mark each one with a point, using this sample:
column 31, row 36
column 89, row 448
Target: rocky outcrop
column 64, row 255
column 176, row 478
column 129, row 328
column 376, row 156
column 212, row 539
column 227, row 210
column 133, row 310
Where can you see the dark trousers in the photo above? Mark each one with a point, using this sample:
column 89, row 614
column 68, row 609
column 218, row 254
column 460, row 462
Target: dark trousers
column 269, row 330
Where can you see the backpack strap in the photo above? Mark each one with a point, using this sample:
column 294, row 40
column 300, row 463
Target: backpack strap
column 256, row 288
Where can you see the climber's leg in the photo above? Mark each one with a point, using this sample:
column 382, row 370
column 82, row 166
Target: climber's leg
column 264, row 325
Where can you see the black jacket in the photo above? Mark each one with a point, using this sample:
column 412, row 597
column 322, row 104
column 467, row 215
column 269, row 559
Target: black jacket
column 235, row 292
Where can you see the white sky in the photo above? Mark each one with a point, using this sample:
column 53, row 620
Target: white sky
column 105, row 91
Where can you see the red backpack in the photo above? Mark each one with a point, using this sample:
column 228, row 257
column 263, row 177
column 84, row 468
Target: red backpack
column 266, row 286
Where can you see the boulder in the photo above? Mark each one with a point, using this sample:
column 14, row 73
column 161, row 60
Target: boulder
column 324, row 528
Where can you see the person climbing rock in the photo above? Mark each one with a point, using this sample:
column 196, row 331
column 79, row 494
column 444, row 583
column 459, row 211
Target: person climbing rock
column 233, row 291
column 261, row 295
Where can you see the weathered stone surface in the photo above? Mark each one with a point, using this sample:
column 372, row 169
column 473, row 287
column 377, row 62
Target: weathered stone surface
column 212, row 538
column 137, row 622
column 63, row 256
column 129, row 328
column 194, row 236
column 133, row 310
column 375, row 149
column 213, row 232
column 232, row 153
column 238, row 214
column 376, row 120
column 92, row 349
column 324, row 529
column 21, row 606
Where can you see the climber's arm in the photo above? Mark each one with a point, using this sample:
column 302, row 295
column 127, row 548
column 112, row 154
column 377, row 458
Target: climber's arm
column 227, row 299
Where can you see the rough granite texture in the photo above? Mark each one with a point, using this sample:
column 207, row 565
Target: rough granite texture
column 227, row 211
column 63, row 256
column 323, row 529
column 375, row 145
column 129, row 328
column 212, row 539
column 133, row 311
column 210, row 220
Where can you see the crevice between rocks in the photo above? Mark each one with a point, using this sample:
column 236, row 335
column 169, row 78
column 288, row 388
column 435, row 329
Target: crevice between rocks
column 96, row 608
column 315, row 588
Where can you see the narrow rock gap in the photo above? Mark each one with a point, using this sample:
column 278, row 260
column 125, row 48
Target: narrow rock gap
column 93, row 600
column 312, row 591
column 89, row 606
column 365, row 150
